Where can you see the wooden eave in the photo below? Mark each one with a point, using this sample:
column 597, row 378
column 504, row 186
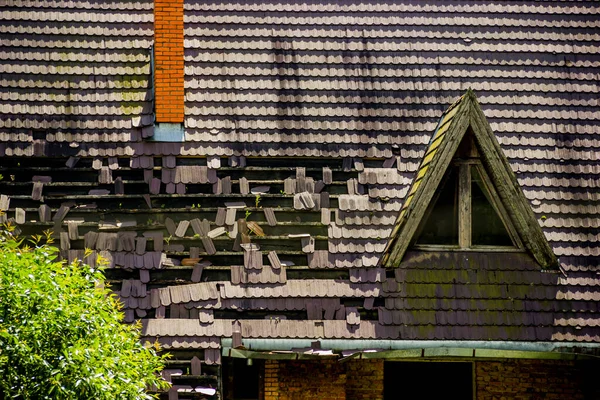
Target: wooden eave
column 454, row 123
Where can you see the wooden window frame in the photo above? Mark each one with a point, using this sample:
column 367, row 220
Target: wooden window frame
column 464, row 208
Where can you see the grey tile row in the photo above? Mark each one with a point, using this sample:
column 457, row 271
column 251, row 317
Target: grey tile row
column 450, row 304
column 318, row 18
column 389, row 31
column 79, row 56
column 344, row 217
column 51, row 43
column 390, row 84
column 526, row 74
column 83, row 4
column 73, row 15
column 83, row 109
column 340, row 329
column 292, row 135
column 355, row 245
column 404, row 98
column 300, row 289
column 405, row 58
column 560, row 194
column 115, row 29
column 77, row 83
column 74, row 69
column 186, row 342
column 267, row 274
column 359, row 232
column 385, row 7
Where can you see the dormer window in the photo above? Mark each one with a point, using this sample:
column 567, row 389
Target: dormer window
column 466, row 212
column 465, row 195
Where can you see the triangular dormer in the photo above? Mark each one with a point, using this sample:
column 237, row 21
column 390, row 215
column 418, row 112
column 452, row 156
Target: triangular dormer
column 465, row 195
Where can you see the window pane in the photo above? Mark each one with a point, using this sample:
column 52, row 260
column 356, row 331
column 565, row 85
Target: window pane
column 442, row 225
column 486, row 226
column 427, row 380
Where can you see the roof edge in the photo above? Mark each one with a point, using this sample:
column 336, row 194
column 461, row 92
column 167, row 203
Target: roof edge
column 372, row 348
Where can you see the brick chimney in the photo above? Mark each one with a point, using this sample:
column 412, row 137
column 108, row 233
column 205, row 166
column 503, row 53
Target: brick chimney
column 168, row 61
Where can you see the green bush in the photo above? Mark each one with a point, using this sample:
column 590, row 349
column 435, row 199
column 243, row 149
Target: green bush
column 61, row 331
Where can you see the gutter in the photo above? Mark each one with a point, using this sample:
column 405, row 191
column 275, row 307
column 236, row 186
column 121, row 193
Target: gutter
column 411, row 349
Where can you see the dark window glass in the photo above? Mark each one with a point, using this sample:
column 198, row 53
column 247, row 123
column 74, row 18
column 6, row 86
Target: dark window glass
column 427, row 380
column 486, row 226
column 442, row 223
column 241, row 381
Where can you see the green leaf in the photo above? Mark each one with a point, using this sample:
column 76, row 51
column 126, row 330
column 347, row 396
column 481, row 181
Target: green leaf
column 61, row 335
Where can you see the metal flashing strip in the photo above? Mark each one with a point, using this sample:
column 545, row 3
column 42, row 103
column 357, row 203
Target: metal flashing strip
column 168, row 132
column 464, row 353
column 275, row 355
column 389, row 349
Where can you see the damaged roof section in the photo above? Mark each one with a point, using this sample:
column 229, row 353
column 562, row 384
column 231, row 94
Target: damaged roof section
column 256, row 257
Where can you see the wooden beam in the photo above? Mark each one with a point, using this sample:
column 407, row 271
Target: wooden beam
column 509, row 190
column 430, row 183
column 464, row 206
column 472, row 249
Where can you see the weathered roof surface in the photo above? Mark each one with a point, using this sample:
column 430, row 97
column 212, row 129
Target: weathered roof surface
column 465, row 295
column 381, row 72
column 74, row 71
column 361, row 83
column 357, row 78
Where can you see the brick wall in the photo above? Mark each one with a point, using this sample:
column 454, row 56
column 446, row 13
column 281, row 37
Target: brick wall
column 168, row 60
column 494, row 380
column 535, row 379
column 325, row 380
column 364, row 380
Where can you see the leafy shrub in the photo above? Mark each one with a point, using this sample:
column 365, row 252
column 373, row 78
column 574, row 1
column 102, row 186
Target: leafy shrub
column 61, row 331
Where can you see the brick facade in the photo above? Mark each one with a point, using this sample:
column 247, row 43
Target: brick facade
column 535, row 379
column 324, row 380
column 168, row 60
column 493, row 380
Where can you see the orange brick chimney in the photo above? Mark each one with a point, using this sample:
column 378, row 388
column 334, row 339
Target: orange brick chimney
column 168, row 61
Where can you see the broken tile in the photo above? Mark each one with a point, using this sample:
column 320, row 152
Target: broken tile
column 36, row 193
column 19, row 215
column 182, row 228
column 270, row 216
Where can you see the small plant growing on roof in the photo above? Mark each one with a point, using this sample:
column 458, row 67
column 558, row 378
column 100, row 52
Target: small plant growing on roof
column 248, row 213
column 257, row 200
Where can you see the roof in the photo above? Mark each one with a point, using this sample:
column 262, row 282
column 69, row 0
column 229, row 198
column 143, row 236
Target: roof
column 332, row 107
column 358, row 79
